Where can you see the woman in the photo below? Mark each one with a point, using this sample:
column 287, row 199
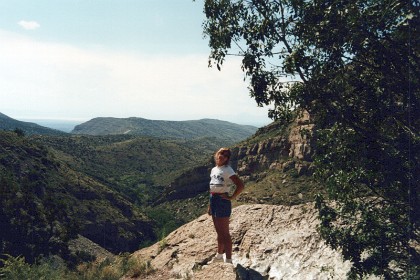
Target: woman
column 220, row 207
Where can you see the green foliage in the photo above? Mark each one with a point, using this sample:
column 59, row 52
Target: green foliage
column 353, row 65
column 373, row 219
column 33, row 223
column 44, row 204
column 15, row 268
column 19, row 132
column 162, row 245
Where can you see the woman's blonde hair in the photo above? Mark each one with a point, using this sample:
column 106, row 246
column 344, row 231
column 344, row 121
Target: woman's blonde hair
column 224, row 151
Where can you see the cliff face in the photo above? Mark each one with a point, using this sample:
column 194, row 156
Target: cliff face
column 276, row 147
column 269, row 242
column 290, row 149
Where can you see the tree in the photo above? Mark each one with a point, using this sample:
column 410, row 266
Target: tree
column 19, row 132
column 354, row 66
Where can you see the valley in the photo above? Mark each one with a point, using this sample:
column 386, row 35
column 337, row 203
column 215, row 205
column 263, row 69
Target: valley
column 122, row 192
column 107, row 187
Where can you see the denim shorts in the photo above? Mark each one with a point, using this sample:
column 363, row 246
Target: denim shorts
column 220, row 208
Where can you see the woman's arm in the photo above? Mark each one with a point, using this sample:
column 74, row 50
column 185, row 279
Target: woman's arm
column 239, row 187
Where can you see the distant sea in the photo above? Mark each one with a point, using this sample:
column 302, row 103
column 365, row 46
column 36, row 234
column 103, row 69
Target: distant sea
column 63, row 125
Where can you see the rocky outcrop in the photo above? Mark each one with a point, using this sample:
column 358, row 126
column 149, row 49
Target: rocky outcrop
column 291, row 148
column 270, row 242
column 89, row 248
column 300, row 138
column 251, row 159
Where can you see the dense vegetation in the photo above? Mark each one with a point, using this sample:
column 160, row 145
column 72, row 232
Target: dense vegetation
column 44, row 204
column 34, row 223
column 354, row 66
column 16, row 268
column 138, row 167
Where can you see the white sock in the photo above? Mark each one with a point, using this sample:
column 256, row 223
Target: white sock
column 219, row 256
column 228, row 261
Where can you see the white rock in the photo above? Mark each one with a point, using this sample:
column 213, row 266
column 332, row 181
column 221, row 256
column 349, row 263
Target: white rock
column 279, row 242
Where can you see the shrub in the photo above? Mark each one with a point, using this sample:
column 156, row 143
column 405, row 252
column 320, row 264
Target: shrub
column 15, row 268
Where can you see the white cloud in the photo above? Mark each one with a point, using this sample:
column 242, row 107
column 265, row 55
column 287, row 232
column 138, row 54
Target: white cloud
column 47, row 80
column 29, row 25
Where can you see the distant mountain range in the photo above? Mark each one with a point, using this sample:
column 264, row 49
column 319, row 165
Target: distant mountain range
column 29, row 128
column 166, row 129
column 186, row 130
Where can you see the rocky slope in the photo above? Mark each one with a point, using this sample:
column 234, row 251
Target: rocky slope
column 270, row 242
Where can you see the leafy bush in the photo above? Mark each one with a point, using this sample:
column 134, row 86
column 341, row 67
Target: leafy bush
column 16, row 268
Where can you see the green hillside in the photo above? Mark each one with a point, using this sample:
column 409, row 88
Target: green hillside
column 166, row 129
column 138, row 167
column 9, row 124
column 45, row 203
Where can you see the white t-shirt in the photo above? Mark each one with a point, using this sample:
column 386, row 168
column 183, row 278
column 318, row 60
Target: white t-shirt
column 220, row 177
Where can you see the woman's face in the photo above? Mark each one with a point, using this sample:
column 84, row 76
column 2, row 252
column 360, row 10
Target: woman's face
column 221, row 159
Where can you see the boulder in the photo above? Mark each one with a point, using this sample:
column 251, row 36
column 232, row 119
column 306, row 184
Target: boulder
column 270, row 242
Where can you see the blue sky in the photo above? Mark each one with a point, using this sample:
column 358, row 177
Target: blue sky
column 80, row 59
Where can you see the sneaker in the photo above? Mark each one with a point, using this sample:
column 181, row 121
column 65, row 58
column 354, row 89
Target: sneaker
column 228, row 261
column 217, row 258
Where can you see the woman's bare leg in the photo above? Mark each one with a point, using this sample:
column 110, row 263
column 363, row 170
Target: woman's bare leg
column 224, row 241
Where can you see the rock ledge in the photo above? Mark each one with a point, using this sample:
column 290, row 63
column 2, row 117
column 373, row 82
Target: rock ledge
column 270, row 242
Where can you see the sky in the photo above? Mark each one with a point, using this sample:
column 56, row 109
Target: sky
column 81, row 59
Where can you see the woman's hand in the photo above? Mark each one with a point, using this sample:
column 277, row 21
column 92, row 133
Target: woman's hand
column 239, row 187
column 227, row 196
